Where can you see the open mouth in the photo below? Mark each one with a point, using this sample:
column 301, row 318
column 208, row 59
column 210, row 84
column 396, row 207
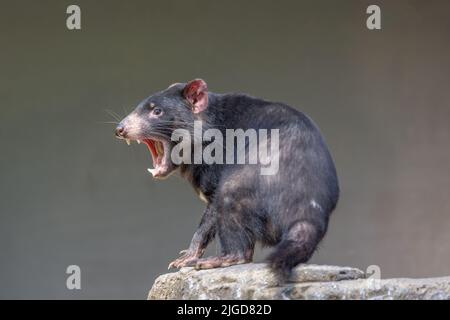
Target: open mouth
column 160, row 152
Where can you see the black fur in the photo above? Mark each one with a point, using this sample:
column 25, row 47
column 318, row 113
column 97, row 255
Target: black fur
column 289, row 210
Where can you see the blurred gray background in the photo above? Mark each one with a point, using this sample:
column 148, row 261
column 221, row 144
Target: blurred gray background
column 70, row 193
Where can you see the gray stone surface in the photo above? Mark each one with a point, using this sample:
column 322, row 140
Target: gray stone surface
column 256, row 281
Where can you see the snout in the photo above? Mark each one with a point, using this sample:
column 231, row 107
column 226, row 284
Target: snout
column 120, row 131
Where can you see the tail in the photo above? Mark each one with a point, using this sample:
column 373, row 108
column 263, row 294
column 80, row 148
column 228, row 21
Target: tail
column 297, row 246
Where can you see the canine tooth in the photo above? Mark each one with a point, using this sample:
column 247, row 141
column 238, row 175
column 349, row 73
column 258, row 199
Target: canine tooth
column 128, row 141
column 138, row 141
column 160, row 147
column 151, row 171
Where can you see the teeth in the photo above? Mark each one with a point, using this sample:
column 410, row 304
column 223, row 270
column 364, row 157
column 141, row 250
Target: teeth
column 160, row 148
column 138, row 141
column 128, row 141
column 152, row 171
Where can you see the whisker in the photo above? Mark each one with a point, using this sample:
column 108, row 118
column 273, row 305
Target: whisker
column 113, row 114
column 108, row 122
column 125, row 110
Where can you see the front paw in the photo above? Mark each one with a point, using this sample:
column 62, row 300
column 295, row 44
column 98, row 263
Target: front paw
column 188, row 259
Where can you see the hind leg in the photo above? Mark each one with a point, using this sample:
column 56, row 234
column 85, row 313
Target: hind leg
column 297, row 246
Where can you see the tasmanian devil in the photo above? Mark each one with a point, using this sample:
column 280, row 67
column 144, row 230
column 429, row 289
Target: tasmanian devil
column 289, row 209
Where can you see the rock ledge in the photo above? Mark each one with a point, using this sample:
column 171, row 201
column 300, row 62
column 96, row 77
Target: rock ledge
column 256, row 281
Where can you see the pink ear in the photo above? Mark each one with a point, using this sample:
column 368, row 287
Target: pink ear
column 196, row 92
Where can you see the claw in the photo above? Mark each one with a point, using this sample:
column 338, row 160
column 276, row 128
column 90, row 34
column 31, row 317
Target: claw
column 184, row 261
column 183, row 251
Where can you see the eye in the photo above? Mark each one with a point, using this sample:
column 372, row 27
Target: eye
column 157, row 111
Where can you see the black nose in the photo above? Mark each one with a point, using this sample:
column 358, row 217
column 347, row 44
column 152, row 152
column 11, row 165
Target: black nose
column 120, row 131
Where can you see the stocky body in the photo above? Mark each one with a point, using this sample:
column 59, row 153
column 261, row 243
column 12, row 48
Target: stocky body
column 289, row 209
